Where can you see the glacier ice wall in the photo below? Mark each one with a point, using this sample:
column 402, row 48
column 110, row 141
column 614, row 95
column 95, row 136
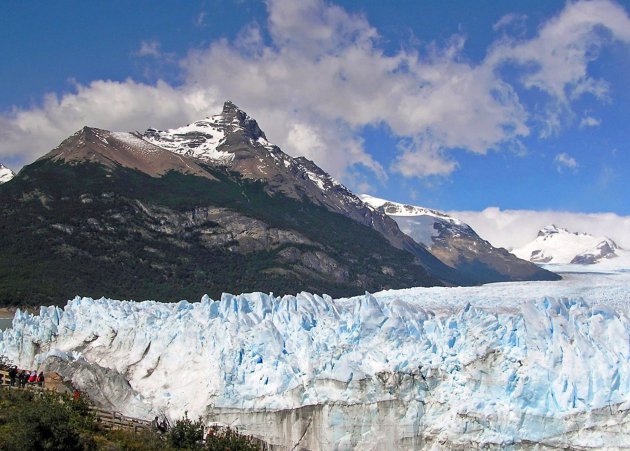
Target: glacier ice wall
column 504, row 364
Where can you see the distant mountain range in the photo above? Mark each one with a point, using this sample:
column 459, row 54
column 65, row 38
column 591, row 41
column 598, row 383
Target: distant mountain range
column 205, row 208
column 457, row 244
column 558, row 246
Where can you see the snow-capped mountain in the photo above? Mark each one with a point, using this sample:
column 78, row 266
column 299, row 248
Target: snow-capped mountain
column 6, row 174
column 508, row 366
column 179, row 213
column 209, row 207
column 555, row 245
column 456, row 243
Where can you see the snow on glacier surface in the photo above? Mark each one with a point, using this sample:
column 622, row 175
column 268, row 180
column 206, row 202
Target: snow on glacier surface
column 532, row 348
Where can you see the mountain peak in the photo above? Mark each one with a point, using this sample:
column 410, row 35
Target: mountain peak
column 206, row 139
column 236, row 117
column 557, row 245
column 230, row 107
column 456, row 244
column 551, row 229
column 6, row 174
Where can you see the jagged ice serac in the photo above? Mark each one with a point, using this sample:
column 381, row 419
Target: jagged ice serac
column 508, row 363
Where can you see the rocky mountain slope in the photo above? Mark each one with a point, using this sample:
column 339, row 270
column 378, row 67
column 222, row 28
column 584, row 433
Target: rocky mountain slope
column 555, row 245
column 458, row 245
column 6, row 174
column 180, row 213
column 234, row 140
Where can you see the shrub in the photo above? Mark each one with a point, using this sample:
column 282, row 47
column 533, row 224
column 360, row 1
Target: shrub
column 186, row 434
column 227, row 439
column 43, row 420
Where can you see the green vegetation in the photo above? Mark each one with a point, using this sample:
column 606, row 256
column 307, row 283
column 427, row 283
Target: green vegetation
column 83, row 229
column 188, row 434
column 44, row 420
column 50, row 421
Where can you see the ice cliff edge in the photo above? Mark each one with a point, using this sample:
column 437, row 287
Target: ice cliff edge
column 541, row 370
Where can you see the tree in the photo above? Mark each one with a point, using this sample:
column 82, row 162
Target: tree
column 186, row 434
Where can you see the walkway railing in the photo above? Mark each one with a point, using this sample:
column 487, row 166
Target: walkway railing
column 109, row 419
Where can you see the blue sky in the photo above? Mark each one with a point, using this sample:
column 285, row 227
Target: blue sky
column 454, row 105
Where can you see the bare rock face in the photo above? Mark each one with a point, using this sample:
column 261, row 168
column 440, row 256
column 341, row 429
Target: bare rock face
column 234, row 141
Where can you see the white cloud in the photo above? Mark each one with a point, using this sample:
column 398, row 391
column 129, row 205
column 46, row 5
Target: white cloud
column 325, row 75
column 590, row 121
column 313, row 27
column 334, row 77
column 556, row 60
column 565, row 161
column 149, row 48
column 510, row 21
column 422, row 157
column 515, row 228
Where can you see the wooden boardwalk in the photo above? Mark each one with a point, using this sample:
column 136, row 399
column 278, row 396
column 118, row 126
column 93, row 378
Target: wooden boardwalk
column 109, row 419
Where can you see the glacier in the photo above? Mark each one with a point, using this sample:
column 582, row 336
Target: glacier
column 505, row 365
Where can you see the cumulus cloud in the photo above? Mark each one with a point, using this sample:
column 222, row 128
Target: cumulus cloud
column 565, row 161
column 515, row 228
column 335, row 77
column 325, row 75
column 556, row 60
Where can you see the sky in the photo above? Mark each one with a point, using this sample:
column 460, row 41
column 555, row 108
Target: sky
column 501, row 111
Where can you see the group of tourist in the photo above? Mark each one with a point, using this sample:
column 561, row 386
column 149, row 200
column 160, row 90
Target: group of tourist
column 22, row 378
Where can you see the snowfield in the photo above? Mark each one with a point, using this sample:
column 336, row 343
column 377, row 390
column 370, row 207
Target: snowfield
column 557, row 246
column 502, row 365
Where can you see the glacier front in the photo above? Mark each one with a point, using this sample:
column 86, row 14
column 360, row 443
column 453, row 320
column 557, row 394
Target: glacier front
column 508, row 365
